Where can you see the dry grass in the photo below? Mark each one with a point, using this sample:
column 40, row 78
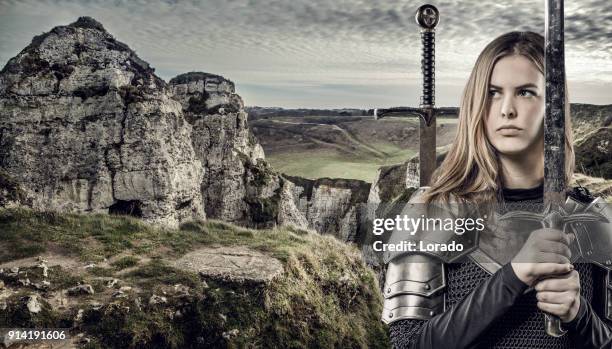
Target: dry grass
column 326, row 297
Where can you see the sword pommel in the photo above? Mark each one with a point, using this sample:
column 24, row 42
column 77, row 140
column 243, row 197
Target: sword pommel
column 427, row 16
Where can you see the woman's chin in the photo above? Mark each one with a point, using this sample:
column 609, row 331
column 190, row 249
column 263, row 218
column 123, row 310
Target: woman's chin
column 512, row 151
column 515, row 147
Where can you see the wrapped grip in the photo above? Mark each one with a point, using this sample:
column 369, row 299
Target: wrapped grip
column 428, row 67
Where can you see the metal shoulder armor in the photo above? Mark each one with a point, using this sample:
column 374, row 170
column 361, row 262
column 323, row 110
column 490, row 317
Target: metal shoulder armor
column 414, row 286
column 594, row 239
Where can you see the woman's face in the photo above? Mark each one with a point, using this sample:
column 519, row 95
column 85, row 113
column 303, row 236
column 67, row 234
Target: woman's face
column 514, row 123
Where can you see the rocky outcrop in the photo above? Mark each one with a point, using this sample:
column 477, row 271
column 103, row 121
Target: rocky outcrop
column 391, row 188
column 86, row 125
column 329, row 206
column 234, row 264
column 11, row 193
column 237, row 186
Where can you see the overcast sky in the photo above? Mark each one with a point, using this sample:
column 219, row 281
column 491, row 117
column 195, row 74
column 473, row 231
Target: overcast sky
column 324, row 53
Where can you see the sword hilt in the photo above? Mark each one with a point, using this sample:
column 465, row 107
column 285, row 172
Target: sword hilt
column 552, row 323
column 428, row 69
column 428, row 16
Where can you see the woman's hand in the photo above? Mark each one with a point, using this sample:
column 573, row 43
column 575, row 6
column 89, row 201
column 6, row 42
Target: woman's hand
column 560, row 295
column 544, row 254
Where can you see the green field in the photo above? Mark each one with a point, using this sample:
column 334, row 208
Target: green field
column 320, row 164
column 314, row 148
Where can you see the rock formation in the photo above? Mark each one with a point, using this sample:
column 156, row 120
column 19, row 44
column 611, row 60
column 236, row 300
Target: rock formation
column 277, row 288
column 329, row 206
column 237, row 185
column 86, row 125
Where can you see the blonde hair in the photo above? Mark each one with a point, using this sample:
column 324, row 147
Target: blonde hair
column 471, row 171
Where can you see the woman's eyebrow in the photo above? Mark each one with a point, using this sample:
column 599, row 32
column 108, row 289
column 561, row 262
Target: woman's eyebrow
column 527, row 85
column 516, row 88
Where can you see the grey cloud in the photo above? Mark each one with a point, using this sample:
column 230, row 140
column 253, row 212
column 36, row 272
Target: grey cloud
column 327, row 42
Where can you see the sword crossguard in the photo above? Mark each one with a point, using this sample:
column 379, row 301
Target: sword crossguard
column 555, row 218
column 427, row 114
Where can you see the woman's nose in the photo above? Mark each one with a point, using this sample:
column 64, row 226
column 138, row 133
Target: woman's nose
column 508, row 109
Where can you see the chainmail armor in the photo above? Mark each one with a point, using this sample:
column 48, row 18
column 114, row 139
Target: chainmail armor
column 523, row 325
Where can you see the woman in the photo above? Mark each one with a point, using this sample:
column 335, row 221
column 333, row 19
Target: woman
column 497, row 161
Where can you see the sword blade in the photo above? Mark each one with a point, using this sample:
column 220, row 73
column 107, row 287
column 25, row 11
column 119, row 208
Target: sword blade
column 427, row 149
column 554, row 120
column 554, row 125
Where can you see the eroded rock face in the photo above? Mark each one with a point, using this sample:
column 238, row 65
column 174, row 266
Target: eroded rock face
column 238, row 186
column 85, row 125
column 328, row 206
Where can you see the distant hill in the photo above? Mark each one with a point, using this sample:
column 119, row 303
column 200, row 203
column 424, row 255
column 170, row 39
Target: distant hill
column 341, row 146
column 262, row 112
column 593, row 139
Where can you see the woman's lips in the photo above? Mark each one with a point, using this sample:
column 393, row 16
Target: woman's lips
column 509, row 131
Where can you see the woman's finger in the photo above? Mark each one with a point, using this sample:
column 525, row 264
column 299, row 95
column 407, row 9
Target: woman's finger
column 546, row 269
column 566, row 297
column 559, row 310
column 555, row 247
column 558, row 284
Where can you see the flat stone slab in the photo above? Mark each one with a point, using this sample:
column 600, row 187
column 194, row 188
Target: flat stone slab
column 236, row 263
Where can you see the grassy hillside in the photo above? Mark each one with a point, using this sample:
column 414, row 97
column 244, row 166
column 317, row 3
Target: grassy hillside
column 341, row 147
column 324, row 297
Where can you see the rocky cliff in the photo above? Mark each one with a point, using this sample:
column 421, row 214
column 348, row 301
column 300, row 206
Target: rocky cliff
column 237, row 185
column 87, row 126
column 330, row 206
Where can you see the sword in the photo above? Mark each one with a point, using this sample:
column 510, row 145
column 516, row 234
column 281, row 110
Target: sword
column 554, row 214
column 427, row 17
column 554, row 129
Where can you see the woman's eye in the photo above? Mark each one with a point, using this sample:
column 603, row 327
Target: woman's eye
column 493, row 93
column 526, row 93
